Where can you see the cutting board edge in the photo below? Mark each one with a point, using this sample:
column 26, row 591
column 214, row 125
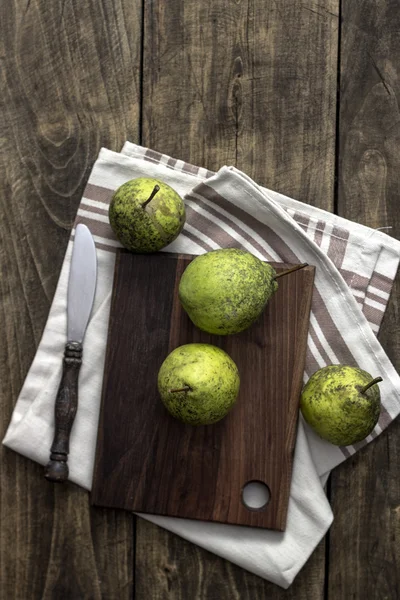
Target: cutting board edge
column 299, row 366
column 107, row 353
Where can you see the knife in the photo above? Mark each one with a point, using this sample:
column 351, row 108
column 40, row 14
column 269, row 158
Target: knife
column 81, row 291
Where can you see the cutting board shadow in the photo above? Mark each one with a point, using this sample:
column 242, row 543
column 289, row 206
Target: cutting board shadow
column 146, row 461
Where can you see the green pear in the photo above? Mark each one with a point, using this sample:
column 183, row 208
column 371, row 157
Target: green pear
column 341, row 403
column 198, row 383
column 225, row 291
column 146, row 214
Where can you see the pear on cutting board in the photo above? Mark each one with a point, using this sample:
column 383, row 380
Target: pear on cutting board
column 198, row 383
column 341, row 403
column 146, row 214
column 225, row 291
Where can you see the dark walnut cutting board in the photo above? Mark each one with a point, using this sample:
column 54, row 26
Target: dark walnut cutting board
column 146, row 461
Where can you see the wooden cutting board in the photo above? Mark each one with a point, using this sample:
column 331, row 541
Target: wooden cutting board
column 146, row 461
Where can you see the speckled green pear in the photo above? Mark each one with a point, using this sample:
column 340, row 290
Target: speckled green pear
column 225, row 291
column 341, row 403
column 198, row 383
column 146, row 214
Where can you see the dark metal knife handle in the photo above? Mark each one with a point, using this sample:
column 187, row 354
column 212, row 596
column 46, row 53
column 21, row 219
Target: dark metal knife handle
column 65, row 410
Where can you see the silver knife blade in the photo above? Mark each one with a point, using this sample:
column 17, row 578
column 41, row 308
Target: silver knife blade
column 81, row 284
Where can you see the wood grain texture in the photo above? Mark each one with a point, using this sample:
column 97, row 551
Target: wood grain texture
column 147, row 461
column 364, row 550
column 250, row 84
column 230, row 83
column 69, row 75
column 170, row 568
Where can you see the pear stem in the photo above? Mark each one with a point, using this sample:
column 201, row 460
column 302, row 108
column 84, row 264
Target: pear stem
column 296, row 268
column 370, row 384
column 183, row 389
column 153, row 193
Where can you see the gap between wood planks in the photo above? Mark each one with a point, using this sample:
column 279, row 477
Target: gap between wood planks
column 336, row 211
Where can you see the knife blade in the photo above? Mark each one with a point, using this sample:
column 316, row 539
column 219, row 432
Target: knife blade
column 80, row 297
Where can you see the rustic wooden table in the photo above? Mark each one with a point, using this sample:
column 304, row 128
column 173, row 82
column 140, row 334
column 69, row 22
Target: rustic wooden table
column 302, row 95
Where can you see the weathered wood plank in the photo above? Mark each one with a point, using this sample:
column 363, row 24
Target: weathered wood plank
column 70, row 84
column 364, row 555
column 170, row 568
column 250, row 84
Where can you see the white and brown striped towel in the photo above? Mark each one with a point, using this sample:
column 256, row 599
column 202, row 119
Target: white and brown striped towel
column 355, row 269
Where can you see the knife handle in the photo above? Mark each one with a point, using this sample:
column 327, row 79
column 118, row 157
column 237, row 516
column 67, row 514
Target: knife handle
column 65, row 410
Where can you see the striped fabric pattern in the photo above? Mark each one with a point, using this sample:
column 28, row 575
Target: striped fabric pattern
column 215, row 222
column 371, row 290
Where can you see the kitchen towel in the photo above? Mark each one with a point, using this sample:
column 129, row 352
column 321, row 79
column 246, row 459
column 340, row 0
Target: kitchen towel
column 355, row 269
